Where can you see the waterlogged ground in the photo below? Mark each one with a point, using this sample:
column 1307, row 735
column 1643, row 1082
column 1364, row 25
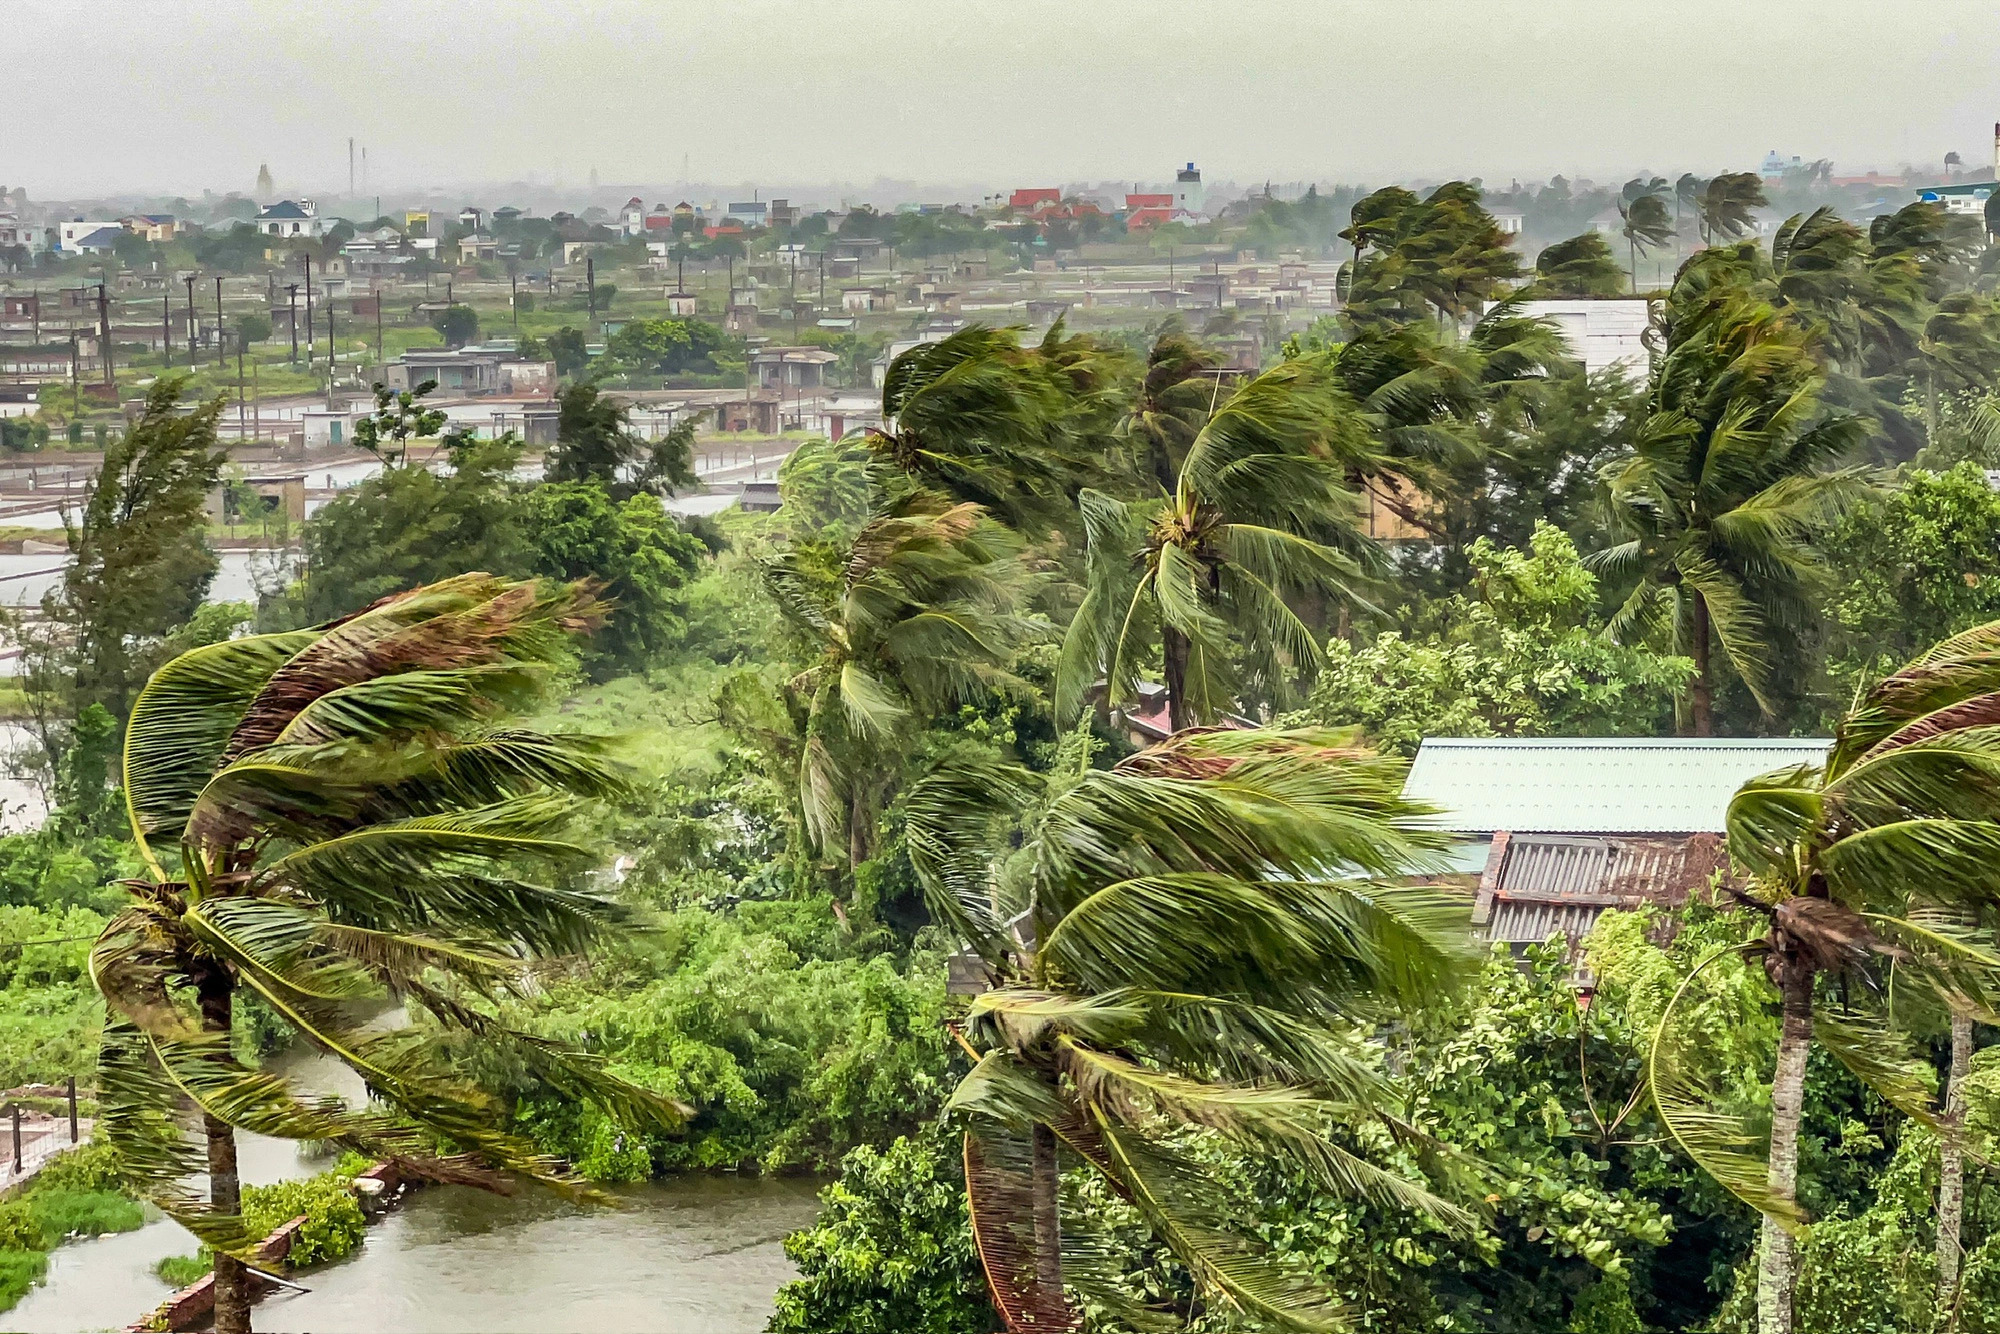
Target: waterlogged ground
column 697, row 1255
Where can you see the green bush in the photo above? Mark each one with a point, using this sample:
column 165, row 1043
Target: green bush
column 891, row 1252
column 83, row 1213
column 93, row 1166
column 334, row 1224
column 20, row 1230
column 180, row 1270
column 19, row 1271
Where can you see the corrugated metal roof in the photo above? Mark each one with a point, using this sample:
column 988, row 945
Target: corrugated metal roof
column 1585, row 785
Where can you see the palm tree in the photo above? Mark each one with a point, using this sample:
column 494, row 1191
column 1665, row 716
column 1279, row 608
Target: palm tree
column 1578, row 267
column 1646, row 225
column 1179, row 387
column 920, row 613
column 1259, row 511
column 984, row 420
column 1210, row 928
column 1726, row 204
column 331, row 819
column 1879, row 856
column 1727, row 484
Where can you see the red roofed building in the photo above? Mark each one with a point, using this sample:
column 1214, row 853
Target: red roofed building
column 1028, row 200
column 1133, row 203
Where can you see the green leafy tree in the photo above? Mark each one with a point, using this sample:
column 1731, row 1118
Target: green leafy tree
column 399, row 418
column 1580, row 266
column 1260, row 513
column 1177, row 390
column 140, row 566
column 1197, row 912
column 1727, row 486
column 330, row 818
column 406, row 527
column 1443, row 254
column 252, row 328
column 633, row 549
column 666, row 347
column 458, row 325
column 1522, row 654
column 595, row 443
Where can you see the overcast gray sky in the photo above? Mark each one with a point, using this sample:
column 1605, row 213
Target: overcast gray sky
column 182, row 95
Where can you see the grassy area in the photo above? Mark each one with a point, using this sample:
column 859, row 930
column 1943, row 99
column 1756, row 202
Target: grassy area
column 73, row 1196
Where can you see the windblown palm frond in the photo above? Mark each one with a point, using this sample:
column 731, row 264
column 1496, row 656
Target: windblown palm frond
column 1213, row 930
column 334, row 820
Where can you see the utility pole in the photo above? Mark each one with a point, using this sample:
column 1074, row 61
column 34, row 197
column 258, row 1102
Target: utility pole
column 381, row 358
column 240, row 410
column 590, row 278
column 189, row 280
column 514, row 294
column 309, row 310
column 219, row 358
column 166, row 330
column 76, row 390
column 332, row 353
column 292, row 322
column 104, row 339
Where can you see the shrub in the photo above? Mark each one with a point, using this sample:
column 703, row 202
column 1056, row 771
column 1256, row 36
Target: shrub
column 180, row 1270
column 19, row 1228
column 94, row 1166
column 334, row 1224
column 19, row 1271
column 83, row 1213
column 891, row 1252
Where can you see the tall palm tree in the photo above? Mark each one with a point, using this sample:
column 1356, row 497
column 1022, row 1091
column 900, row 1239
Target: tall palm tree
column 920, row 613
column 1725, row 211
column 1211, row 927
column 1646, row 224
column 987, row 421
column 1260, row 511
column 1727, row 484
column 1177, row 390
column 332, row 819
column 1879, row 856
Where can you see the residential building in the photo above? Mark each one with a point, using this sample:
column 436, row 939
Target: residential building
column 470, row 371
column 473, row 218
column 1963, row 198
column 155, row 227
column 682, row 304
column 867, row 300
column 1508, row 221
column 632, row 218
column 1601, row 334
column 752, row 214
column 14, row 232
column 70, row 232
column 101, row 240
column 288, row 218
column 1560, row 829
column 1027, row 201
column 477, row 247
column 417, row 222
column 505, row 215
column 791, row 367
column 783, row 213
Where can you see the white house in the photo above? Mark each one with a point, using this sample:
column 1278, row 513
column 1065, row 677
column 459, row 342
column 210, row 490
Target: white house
column 14, row 232
column 1600, row 334
column 288, row 218
column 1967, row 198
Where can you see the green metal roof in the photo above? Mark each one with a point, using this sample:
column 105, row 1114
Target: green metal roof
column 1594, row 785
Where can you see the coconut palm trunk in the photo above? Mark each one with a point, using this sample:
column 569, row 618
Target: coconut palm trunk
column 1174, row 662
column 1047, row 1215
column 1778, row 1269
column 1951, row 1171
column 1701, row 699
column 225, row 1184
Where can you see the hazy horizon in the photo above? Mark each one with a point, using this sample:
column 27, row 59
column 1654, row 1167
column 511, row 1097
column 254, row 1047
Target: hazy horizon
column 957, row 98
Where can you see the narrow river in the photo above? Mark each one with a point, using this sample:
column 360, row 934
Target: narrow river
column 696, row 1255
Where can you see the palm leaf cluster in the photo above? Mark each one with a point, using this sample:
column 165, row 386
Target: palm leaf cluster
column 1875, row 870
column 334, row 820
column 922, row 613
column 1729, row 479
column 1261, row 513
column 1211, row 929
column 980, row 418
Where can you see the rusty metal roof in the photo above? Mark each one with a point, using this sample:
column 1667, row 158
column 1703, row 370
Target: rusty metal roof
column 1594, row 785
column 1537, row 885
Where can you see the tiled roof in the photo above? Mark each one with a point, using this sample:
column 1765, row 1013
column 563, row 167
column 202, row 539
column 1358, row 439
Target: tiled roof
column 283, row 209
column 1587, row 785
